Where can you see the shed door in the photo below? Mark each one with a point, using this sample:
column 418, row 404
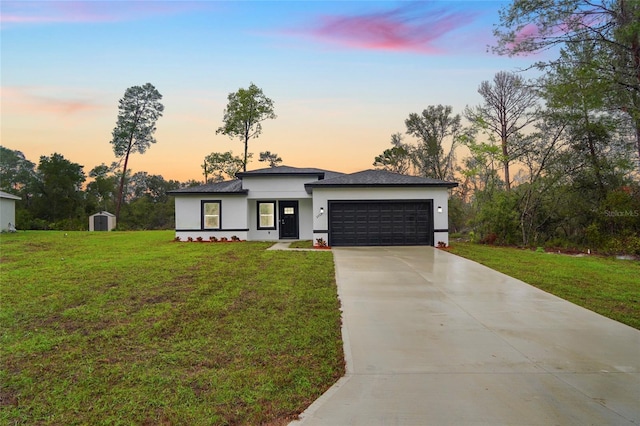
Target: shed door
column 100, row 223
column 380, row 223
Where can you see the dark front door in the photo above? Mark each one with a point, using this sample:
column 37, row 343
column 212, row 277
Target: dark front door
column 100, row 223
column 288, row 218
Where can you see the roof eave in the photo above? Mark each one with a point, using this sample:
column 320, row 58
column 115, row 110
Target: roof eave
column 378, row 185
column 242, row 175
column 174, row 193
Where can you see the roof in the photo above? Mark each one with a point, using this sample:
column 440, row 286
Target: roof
column 326, row 179
column 290, row 171
column 103, row 213
column 379, row 178
column 226, row 187
column 9, row 196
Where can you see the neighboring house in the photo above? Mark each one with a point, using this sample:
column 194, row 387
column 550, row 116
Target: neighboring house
column 8, row 211
column 368, row 208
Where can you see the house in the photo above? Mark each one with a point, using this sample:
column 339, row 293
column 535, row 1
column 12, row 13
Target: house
column 8, row 211
column 367, row 208
column 102, row 221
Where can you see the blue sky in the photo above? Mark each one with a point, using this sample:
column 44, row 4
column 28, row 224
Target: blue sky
column 344, row 75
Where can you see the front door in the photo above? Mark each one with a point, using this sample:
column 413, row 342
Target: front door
column 288, row 217
column 100, row 223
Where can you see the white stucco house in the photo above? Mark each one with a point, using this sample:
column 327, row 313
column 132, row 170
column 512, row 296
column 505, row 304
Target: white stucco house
column 368, row 208
column 8, row 211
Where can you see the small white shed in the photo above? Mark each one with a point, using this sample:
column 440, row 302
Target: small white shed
column 102, row 221
column 8, row 211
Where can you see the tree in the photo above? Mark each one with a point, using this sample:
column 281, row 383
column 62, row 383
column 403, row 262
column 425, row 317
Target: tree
column 139, row 111
column 15, row 170
column 219, row 166
column 432, row 128
column 102, row 191
column 509, row 106
column 148, row 206
column 245, row 111
column 611, row 26
column 575, row 96
column 395, row 159
column 59, row 183
column 272, row 159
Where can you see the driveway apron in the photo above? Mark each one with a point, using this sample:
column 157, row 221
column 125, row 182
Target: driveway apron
column 435, row 339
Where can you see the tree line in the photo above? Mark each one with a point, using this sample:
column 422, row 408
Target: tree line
column 53, row 192
column 552, row 161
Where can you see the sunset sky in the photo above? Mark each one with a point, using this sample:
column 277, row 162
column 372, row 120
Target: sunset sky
column 343, row 75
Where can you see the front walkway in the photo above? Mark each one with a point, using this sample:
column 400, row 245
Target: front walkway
column 434, row 339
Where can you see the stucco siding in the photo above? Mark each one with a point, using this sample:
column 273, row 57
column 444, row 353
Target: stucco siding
column 7, row 213
column 277, row 187
column 233, row 213
column 305, row 221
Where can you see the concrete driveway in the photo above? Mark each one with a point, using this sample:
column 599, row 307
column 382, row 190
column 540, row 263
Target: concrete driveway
column 434, row 339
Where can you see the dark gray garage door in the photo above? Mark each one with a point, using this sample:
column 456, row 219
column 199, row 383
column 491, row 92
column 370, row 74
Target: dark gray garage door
column 380, row 223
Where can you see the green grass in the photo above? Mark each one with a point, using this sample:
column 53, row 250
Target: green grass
column 125, row 328
column 304, row 244
column 608, row 286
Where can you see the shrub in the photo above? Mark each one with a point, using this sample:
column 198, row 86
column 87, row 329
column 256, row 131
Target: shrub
column 320, row 242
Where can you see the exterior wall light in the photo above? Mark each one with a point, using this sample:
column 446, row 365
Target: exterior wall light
column 321, row 212
column 439, row 209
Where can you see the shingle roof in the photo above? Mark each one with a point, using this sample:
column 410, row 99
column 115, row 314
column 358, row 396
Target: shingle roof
column 379, row 178
column 290, row 171
column 226, row 187
column 371, row 178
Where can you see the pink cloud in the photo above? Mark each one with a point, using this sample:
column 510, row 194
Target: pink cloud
column 39, row 12
column 409, row 28
column 34, row 100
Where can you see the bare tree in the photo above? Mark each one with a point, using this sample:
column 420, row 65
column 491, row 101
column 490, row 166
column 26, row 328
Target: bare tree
column 509, row 106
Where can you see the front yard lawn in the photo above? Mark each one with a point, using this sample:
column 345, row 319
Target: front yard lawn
column 608, row 286
column 128, row 328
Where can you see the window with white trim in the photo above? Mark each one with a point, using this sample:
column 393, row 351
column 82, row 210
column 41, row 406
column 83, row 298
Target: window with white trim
column 266, row 215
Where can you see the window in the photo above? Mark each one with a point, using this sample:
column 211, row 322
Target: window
column 211, row 215
column 266, row 215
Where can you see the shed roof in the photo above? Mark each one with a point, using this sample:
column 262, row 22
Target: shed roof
column 226, row 187
column 103, row 213
column 9, row 196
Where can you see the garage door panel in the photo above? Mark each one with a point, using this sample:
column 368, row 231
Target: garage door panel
column 380, row 223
